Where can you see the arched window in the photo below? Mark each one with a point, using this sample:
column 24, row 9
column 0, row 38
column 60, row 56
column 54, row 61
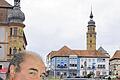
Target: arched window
column 14, row 50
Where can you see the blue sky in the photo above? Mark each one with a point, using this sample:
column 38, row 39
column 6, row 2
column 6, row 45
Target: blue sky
column 51, row 24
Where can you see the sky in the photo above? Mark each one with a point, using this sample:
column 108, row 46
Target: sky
column 51, row 24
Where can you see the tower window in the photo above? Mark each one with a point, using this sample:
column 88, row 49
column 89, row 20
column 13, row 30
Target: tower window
column 10, row 51
column 90, row 35
column 19, row 49
column 90, row 41
column 14, row 50
column 15, row 31
column 10, row 31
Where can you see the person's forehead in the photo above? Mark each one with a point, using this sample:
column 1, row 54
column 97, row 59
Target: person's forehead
column 33, row 61
column 32, row 64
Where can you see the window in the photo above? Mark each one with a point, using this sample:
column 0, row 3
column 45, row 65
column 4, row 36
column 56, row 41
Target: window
column 0, row 66
column 82, row 60
column 104, row 73
column 101, row 66
column 90, row 41
column 89, row 60
column 65, row 74
column 103, row 60
column 58, row 73
column 81, row 66
column 15, row 31
column 14, row 50
column 100, row 60
column 10, row 51
column 73, row 65
column 93, row 60
column 10, row 31
column 90, row 35
column 19, row 49
column 65, row 66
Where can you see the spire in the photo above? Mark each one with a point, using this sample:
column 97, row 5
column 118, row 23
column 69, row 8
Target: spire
column 91, row 22
column 91, row 15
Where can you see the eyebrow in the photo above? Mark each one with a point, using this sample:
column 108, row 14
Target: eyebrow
column 33, row 69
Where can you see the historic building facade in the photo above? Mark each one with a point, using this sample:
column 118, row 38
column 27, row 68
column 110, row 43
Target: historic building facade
column 74, row 63
column 12, row 37
column 115, row 64
column 80, row 63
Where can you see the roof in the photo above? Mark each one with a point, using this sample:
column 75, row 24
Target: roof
column 3, row 3
column 65, row 52
column 4, row 8
column 116, row 55
column 102, row 50
column 89, row 53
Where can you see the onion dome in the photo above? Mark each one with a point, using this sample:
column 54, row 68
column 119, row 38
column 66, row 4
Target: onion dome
column 16, row 15
column 91, row 22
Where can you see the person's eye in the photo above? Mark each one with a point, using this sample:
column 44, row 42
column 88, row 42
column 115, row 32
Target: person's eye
column 32, row 73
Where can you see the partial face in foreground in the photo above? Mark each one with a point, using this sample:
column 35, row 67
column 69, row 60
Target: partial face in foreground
column 31, row 69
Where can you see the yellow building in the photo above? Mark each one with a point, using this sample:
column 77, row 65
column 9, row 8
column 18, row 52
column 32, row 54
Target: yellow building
column 12, row 37
column 91, row 34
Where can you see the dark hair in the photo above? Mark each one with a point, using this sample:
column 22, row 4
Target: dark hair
column 16, row 60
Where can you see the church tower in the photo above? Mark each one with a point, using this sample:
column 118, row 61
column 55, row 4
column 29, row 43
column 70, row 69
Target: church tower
column 12, row 37
column 16, row 36
column 91, row 34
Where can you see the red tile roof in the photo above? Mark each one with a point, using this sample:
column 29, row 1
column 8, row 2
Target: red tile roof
column 65, row 51
column 116, row 55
